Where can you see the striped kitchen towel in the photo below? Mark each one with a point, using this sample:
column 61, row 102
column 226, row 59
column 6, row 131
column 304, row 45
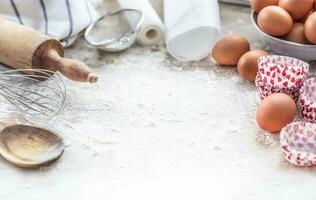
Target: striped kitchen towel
column 62, row 19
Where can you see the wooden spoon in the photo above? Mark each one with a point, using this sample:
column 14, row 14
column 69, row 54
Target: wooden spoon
column 30, row 147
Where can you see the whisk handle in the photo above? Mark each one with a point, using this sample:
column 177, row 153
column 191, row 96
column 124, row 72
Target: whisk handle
column 72, row 69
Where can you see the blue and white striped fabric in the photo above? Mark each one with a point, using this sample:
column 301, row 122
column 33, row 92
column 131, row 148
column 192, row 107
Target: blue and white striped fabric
column 63, row 19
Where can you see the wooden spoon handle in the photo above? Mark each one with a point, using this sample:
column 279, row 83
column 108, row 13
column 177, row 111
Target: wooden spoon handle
column 72, row 69
column 11, row 120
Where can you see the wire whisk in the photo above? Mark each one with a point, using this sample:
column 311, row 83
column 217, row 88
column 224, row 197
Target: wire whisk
column 35, row 92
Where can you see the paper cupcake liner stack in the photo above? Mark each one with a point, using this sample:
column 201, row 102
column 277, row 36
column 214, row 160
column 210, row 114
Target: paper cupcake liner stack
column 280, row 74
column 298, row 142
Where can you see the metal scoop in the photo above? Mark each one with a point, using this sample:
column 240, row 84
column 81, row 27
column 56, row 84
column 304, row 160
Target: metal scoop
column 115, row 31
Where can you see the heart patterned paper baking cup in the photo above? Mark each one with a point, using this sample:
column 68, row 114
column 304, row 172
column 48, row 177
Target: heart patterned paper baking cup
column 298, row 143
column 307, row 100
column 280, row 74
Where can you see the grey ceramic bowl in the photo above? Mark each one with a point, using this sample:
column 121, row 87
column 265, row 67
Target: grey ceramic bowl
column 283, row 47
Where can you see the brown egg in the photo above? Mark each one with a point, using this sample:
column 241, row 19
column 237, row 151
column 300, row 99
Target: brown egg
column 275, row 21
column 229, row 49
column 297, row 8
column 247, row 65
column 310, row 28
column 306, row 16
column 275, row 112
column 297, row 34
column 258, row 5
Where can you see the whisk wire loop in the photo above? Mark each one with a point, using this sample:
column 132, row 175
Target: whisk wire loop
column 36, row 92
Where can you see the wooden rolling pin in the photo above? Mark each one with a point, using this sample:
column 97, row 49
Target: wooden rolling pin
column 24, row 48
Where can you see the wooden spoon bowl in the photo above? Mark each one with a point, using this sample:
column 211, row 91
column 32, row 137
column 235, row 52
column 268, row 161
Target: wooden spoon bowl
column 30, row 147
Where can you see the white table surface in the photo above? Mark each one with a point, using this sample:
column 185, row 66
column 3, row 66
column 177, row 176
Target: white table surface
column 154, row 128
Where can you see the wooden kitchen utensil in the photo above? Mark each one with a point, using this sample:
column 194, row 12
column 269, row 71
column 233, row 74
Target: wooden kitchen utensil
column 28, row 146
column 24, row 48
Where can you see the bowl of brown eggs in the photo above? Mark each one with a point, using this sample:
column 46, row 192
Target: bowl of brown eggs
column 288, row 27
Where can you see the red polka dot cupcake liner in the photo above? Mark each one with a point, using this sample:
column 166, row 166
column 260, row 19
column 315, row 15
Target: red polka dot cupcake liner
column 280, row 74
column 298, row 143
column 307, row 100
